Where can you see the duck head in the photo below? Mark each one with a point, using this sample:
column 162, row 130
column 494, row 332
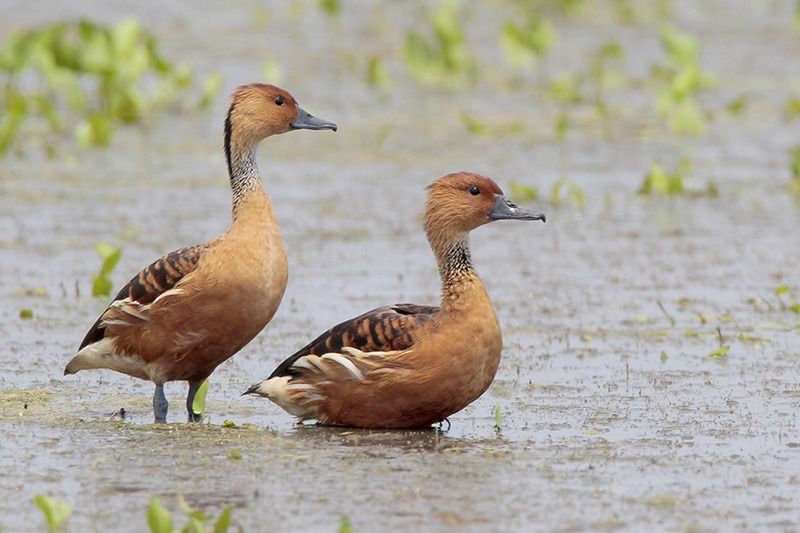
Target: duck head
column 461, row 202
column 259, row 110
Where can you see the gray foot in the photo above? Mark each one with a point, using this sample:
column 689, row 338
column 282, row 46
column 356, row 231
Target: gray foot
column 193, row 386
column 160, row 405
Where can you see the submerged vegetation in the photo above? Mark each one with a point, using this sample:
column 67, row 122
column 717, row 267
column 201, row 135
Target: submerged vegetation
column 85, row 79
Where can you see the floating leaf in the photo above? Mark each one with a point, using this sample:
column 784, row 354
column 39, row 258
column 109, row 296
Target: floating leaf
column 234, row 454
column 498, row 418
column 26, row 314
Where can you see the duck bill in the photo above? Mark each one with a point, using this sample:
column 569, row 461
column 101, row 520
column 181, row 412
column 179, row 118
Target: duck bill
column 306, row 121
column 505, row 209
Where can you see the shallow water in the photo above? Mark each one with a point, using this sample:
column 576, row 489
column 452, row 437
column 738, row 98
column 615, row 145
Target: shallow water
column 614, row 416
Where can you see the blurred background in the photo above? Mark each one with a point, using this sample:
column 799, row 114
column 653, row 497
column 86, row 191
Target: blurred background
column 652, row 327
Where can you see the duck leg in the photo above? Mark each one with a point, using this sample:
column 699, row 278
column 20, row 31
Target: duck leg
column 193, row 386
column 160, row 405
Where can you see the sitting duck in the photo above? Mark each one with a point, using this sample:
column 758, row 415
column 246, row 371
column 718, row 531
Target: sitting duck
column 189, row 311
column 407, row 365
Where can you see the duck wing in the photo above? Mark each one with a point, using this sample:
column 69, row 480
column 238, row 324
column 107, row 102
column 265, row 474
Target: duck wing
column 386, row 329
column 157, row 280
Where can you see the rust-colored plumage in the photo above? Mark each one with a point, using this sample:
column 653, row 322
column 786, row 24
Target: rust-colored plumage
column 408, row 365
column 192, row 309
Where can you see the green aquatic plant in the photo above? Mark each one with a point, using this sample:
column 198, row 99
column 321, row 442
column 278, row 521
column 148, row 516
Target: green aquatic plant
column 377, row 74
column 782, row 291
column 498, row 418
column 89, row 75
column 561, row 126
column 344, row 525
column 480, row 127
column 567, row 192
column 160, row 520
column 794, row 166
column 446, row 60
column 566, row 88
column 199, row 401
column 605, row 71
column 681, row 80
column 101, row 282
column 721, row 351
column 521, row 192
column 271, row 71
column 791, row 109
column 26, row 314
column 659, row 181
column 557, row 7
column 797, row 15
column 54, row 510
column 604, row 74
column 525, row 43
column 632, row 12
column 332, row 8
column 738, row 104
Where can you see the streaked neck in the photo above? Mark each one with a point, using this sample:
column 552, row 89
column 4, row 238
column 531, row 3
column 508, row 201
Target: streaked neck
column 245, row 178
column 456, row 271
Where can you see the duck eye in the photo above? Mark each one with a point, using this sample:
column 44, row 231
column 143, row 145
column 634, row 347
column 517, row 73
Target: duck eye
column 474, row 191
column 278, row 100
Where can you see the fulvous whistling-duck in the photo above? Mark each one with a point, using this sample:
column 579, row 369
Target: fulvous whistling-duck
column 194, row 308
column 406, row 365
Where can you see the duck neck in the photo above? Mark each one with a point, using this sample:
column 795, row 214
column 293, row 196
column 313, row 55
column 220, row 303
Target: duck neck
column 242, row 169
column 455, row 269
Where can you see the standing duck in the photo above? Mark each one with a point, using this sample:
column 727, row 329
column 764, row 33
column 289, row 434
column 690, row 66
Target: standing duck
column 189, row 311
column 406, row 365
